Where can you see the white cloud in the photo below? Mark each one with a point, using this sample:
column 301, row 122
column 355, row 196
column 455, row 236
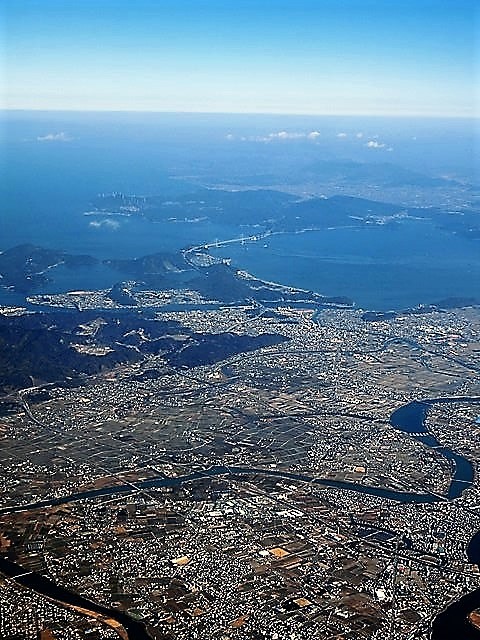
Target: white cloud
column 108, row 224
column 277, row 135
column 359, row 134
column 285, row 135
column 55, row 137
column 373, row 144
column 342, row 135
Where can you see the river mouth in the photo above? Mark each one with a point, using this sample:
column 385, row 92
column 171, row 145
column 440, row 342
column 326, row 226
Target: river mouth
column 456, row 620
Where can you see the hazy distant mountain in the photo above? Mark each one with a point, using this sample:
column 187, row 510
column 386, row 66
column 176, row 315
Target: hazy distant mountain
column 333, row 212
column 383, row 174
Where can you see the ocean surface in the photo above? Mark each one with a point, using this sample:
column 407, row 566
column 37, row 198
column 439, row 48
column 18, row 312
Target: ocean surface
column 381, row 267
column 48, row 184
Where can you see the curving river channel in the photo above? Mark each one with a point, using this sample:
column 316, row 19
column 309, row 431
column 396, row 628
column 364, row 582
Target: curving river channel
column 410, row 419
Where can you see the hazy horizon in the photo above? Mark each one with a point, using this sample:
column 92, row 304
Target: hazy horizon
column 406, row 116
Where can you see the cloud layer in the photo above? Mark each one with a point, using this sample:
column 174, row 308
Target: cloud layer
column 277, row 135
column 113, row 225
column 374, row 144
column 351, row 137
column 55, row 137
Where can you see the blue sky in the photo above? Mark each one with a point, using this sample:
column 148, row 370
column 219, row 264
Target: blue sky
column 386, row 57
